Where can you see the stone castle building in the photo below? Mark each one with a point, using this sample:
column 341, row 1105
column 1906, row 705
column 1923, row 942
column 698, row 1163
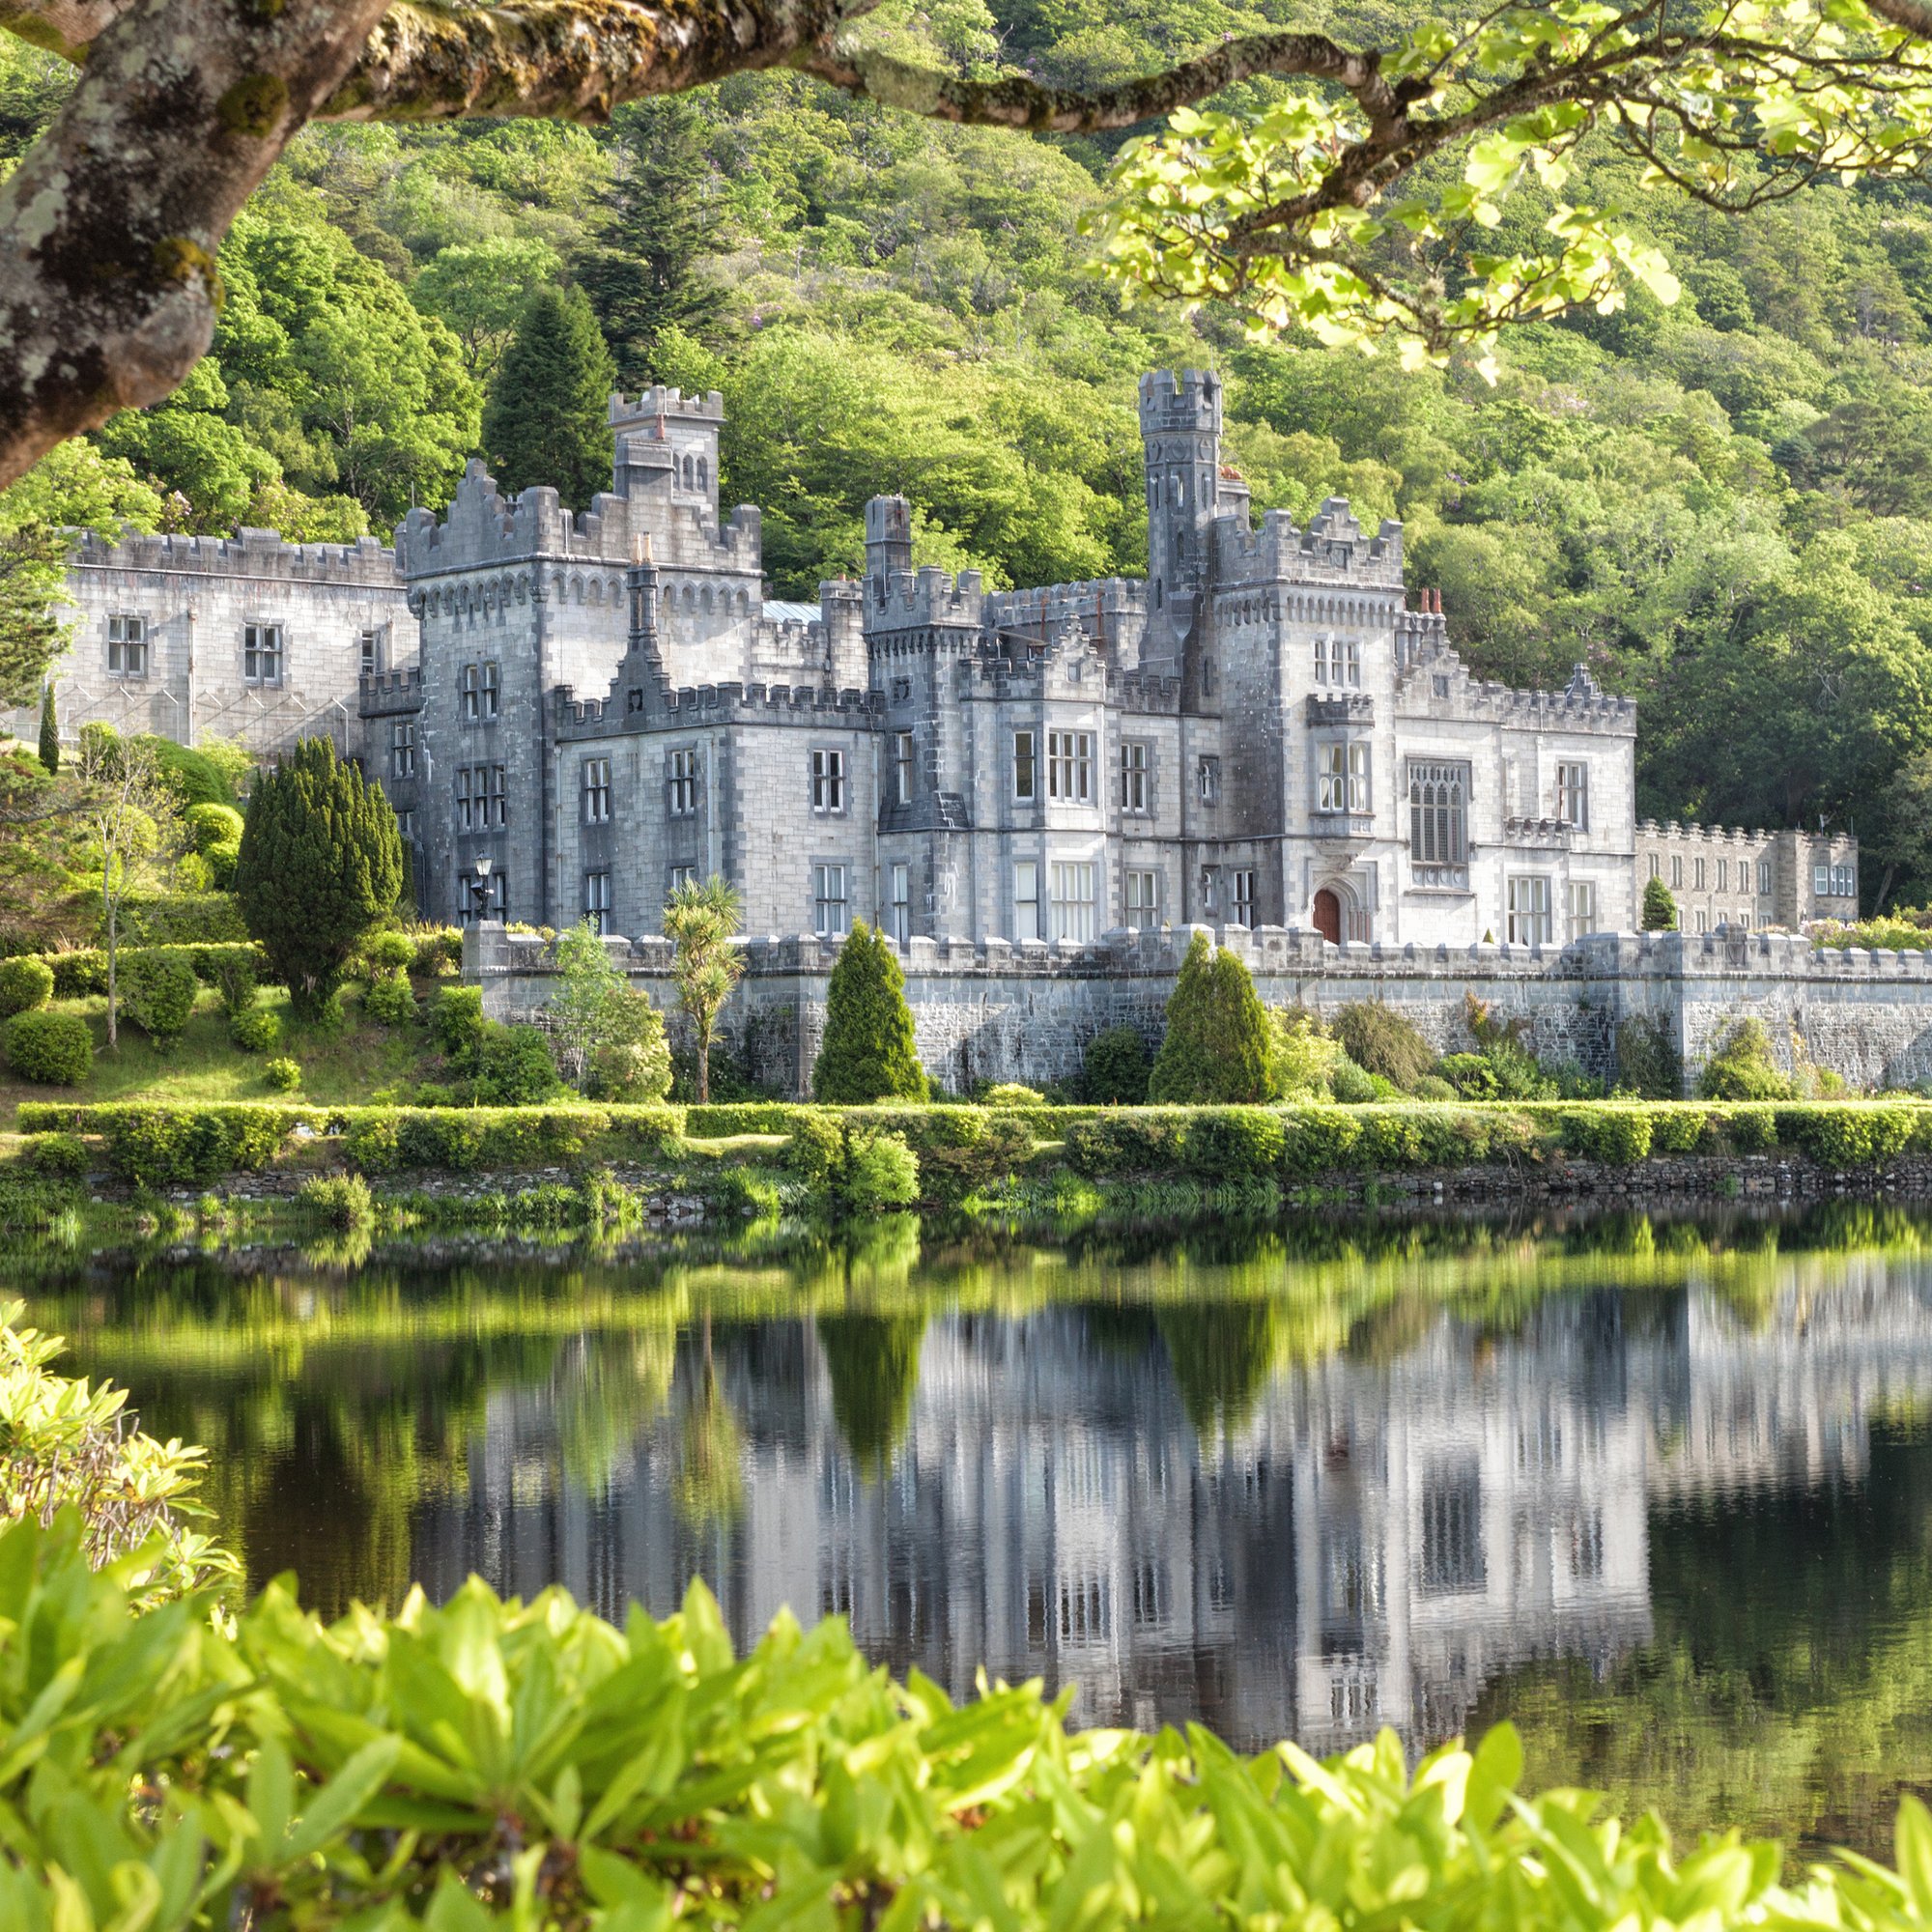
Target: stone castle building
column 1269, row 730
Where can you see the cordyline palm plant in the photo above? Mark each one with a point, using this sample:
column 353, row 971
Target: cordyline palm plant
column 71, row 1443
column 701, row 921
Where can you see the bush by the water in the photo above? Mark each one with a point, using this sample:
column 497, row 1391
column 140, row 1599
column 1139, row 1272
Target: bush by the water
column 489, row 1764
column 1218, row 1045
column 1381, row 1040
column 283, row 1074
column 1743, row 1068
column 1113, row 1071
column 25, row 984
column 50, row 1048
column 867, row 1052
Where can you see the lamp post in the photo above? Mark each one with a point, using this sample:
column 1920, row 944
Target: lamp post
column 479, row 888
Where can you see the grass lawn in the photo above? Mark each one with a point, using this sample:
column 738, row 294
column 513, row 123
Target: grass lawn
column 347, row 1063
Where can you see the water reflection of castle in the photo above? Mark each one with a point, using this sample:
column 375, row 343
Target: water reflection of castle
column 1380, row 1534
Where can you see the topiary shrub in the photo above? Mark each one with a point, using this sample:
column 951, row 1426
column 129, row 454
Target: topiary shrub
column 51, row 1049
column 1615, row 1135
column 390, row 1001
column 158, row 992
column 1679, row 1130
column 282, row 1074
column 211, row 825
column 1114, row 1070
column 1750, row 1129
column 1743, row 1068
column 1218, row 1043
column 1381, row 1040
column 24, row 984
column 869, row 1052
column 1659, row 909
column 255, row 1030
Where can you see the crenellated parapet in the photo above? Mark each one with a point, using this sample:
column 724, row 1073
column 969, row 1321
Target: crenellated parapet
column 249, row 556
column 926, row 600
column 1437, row 683
column 392, row 692
column 1335, row 555
column 655, row 704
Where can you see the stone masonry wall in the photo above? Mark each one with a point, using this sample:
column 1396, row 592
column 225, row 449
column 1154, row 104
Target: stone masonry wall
column 1003, row 1013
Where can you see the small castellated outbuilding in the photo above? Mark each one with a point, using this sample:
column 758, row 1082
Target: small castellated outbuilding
column 1271, row 730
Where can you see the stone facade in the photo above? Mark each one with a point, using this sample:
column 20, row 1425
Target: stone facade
column 245, row 637
column 997, row 1011
column 1749, row 879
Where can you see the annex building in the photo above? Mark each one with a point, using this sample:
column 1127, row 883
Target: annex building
column 1271, row 730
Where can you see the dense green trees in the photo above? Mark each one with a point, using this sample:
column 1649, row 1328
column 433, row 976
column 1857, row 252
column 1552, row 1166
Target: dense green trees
column 321, row 863
column 547, row 419
column 867, row 1052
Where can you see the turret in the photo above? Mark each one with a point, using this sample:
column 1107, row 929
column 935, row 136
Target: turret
column 888, row 545
column 641, row 579
column 1180, row 435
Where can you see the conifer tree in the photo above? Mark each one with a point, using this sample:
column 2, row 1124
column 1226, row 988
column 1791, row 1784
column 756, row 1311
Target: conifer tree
column 547, row 419
column 321, row 863
column 1216, row 1048
column 49, row 745
column 640, row 277
column 868, row 1053
column 1659, row 909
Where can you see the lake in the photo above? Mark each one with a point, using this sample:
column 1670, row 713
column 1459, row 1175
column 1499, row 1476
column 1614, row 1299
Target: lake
column 1659, row 1492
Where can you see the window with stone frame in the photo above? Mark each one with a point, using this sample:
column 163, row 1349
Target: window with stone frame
column 828, row 780
column 902, row 766
column 263, row 653
column 1136, row 776
column 1676, row 870
column 482, row 798
column 1342, row 775
column 1338, row 660
column 126, row 645
column 1142, row 899
column 497, row 903
column 1026, row 770
column 1243, row 911
column 1697, row 870
column 1438, row 819
column 470, row 689
column 1656, row 866
column 1527, row 919
column 407, row 825
column 900, row 912
column 369, row 653
column 1572, row 794
column 1723, row 875
column 597, row 791
column 1207, row 780
column 681, row 772
column 1764, row 878
column 491, row 690
column 597, row 901
column 1025, row 900
column 831, row 914
column 1069, row 767
column 679, row 875
column 1581, row 907
column 1071, row 905
column 403, row 748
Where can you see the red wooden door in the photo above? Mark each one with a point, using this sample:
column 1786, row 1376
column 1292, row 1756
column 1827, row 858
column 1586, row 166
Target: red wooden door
column 1328, row 916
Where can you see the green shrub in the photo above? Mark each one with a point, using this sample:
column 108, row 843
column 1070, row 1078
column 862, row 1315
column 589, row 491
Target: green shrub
column 1114, row 1070
column 1381, row 1040
column 221, row 862
column 255, row 1030
column 1320, row 1140
column 1234, row 1142
column 1352, row 1085
column 387, row 952
column 1219, row 1043
column 1679, row 1130
column 282, row 1074
column 1743, row 1068
column 456, row 1024
column 1849, row 1136
column 960, row 1150
column 1750, row 1129
column 49, row 1048
column 1011, row 1094
column 372, row 1143
column 1141, row 1143
column 869, row 1052
column 1659, row 909
column 1303, row 1056
column 157, row 993
column 390, row 1001
column 745, row 1117
column 85, row 971
column 817, row 1149
column 514, row 1066
column 1433, row 1087
column 25, row 984
column 182, row 918
column 439, row 951
column 58, row 1156
column 1616, row 1135
column 1648, row 1062
column 1470, row 1074
column 879, row 1170
column 342, row 1200
column 212, row 825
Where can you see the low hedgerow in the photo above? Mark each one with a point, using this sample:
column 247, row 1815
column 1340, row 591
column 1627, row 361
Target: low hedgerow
column 84, row 971
column 1234, row 1142
column 1121, row 1142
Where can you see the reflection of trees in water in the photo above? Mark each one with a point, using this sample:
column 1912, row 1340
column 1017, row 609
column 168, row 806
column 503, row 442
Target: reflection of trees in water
column 1221, row 1355
column 710, row 1487
column 872, row 1364
column 1788, row 1685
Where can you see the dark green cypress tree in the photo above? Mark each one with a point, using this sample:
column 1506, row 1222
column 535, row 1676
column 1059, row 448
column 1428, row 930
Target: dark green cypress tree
column 1659, row 909
column 641, row 274
column 49, row 747
column 1215, row 1051
column 548, row 416
column 867, row 1052
column 321, row 864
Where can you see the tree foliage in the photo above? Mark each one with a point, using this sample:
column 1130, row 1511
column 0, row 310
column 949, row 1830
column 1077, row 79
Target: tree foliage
column 701, row 920
column 321, row 864
column 1218, row 1045
column 1658, row 913
column 547, row 420
column 867, row 1052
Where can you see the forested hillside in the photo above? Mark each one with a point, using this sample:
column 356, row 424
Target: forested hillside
column 1723, row 507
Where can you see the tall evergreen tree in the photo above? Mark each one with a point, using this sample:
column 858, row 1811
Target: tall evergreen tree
column 321, row 863
column 1217, row 1045
column 641, row 274
column 1659, row 909
column 868, row 1053
column 547, row 419
column 49, row 745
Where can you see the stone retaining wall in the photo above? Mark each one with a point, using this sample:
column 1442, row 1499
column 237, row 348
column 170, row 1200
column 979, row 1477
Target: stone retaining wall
column 998, row 1011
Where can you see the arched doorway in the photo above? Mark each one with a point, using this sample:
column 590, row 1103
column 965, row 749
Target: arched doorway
column 1328, row 916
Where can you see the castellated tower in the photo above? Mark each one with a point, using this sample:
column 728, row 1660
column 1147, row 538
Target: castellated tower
column 888, row 546
column 1180, row 435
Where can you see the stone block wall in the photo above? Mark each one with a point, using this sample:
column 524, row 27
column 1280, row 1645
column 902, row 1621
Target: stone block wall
column 998, row 1011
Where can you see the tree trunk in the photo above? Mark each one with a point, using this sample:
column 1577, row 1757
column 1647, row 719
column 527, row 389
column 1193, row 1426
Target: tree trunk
column 703, row 1061
column 107, row 906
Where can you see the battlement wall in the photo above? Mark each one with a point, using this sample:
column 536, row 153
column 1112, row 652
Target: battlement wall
column 252, row 553
column 1003, row 1012
column 667, row 707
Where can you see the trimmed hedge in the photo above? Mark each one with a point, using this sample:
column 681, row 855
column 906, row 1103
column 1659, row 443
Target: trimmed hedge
column 85, row 970
column 25, row 984
column 50, row 1049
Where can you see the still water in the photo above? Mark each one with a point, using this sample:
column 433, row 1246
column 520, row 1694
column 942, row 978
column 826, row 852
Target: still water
column 1661, row 1495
